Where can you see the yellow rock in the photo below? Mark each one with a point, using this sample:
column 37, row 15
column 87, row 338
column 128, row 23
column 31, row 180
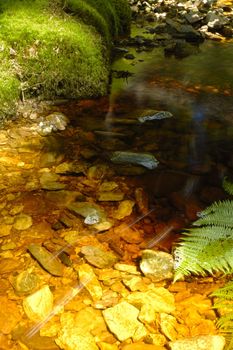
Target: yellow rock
column 38, row 305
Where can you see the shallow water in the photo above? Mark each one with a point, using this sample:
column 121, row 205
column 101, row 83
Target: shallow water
column 194, row 150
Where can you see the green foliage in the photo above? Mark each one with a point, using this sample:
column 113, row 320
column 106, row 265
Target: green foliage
column 228, row 186
column 207, row 249
column 225, row 303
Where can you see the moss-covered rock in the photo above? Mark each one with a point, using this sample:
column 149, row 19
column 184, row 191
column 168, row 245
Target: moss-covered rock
column 61, row 48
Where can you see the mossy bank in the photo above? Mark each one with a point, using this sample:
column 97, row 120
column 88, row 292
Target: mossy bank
column 53, row 49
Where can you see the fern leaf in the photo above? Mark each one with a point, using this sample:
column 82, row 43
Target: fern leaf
column 228, row 186
column 204, row 250
column 217, row 207
column 225, row 323
column 221, row 217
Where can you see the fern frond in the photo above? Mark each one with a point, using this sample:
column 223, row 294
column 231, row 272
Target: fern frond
column 222, row 217
column 225, row 323
column 204, row 250
column 225, row 292
column 224, row 207
column 228, row 186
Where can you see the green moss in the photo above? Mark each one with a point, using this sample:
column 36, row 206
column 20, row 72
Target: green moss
column 110, row 17
column 48, row 53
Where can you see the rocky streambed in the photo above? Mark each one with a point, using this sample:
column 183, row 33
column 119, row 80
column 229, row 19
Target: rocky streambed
column 85, row 248
column 94, row 197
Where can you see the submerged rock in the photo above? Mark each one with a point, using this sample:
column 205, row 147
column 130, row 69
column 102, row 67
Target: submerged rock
column 92, row 213
column 38, row 305
column 202, row 342
column 122, row 320
column 22, row 222
column 157, row 265
column 145, row 159
column 98, row 257
column 49, row 181
column 9, row 315
column 53, row 122
column 110, row 196
column 124, row 209
column 48, row 261
column 155, row 115
column 89, row 280
column 70, row 168
column 25, row 282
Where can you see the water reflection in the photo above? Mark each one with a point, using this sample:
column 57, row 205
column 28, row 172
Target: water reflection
column 197, row 90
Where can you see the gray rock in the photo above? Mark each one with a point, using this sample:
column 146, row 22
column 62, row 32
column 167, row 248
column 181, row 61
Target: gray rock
column 145, row 159
column 184, row 31
column 53, row 122
column 92, row 213
column 193, row 16
column 155, row 115
column 157, row 265
column 98, row 257
column 215, row 20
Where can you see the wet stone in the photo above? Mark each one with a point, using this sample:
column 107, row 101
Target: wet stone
column 203, row 342
column 154, row 115
column 157, row 265
column 48, row 261
column 8, row 246
column 92, row 213
column 142, row 346
column 88, row 279
column 50, row 181
column 53, row 122
column 9, row 312
column 144, row 159
column 157, row 299
column 8, row 265
column 37, row 342
column 75, row 329
column 108, row 186
column 70, row 168
column 5, row 230
column 98, row 257
column 122, row 320
column 38, row 305
column 168, row 325
column 124, row 209
column 25, row 282
column 22, row 222
column 110, row 196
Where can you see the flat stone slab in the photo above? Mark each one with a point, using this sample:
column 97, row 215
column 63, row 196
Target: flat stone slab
column 48, row 261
